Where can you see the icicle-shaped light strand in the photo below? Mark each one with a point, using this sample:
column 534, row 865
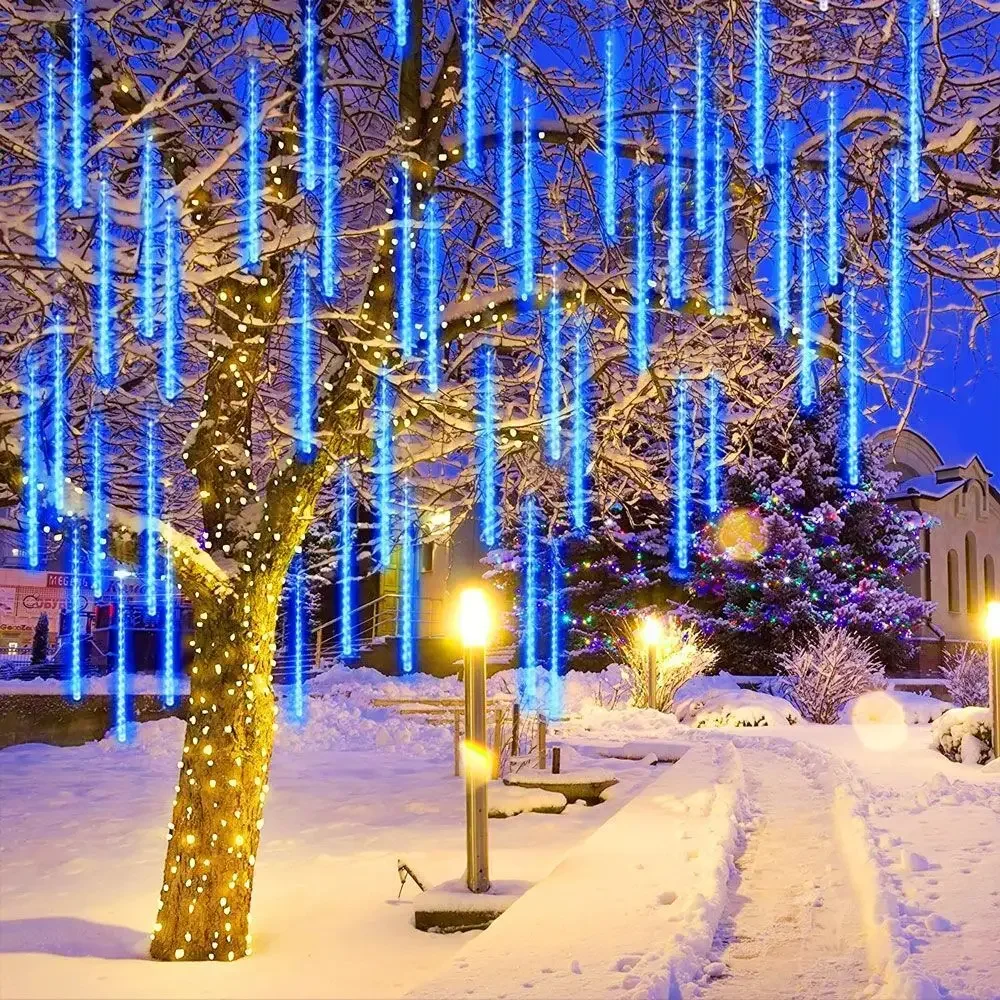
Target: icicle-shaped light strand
column 675, row 278
column 331, row 183
column 98, row 505
column 252, row 168
column 75, row 618
column 832, row 193
column 150, row 568
column 33, row 479
column 555, row 700
column 610, row 192
column 853, row 403
column 507, row 151
column 896, row 264
column 309, row 91
column 172, row 308
column 299, row 613
column 718, row 224
column 346, row 565
column 682, row 484
column 78, row 109
column 106, row 361
column 470, row 88
column 759, row 84
column 121, row 661
column 700, row 174
column 488, row 463
column 432, row 284
column 59, row 414
column 553, row 376
column 640, row 334
column 580, row 417
column 147, row 290
column 383, row 471
column 304, row 364
column 527, row 201
column 408, row 584
column 714, row 477
column 50, row 165
column 404, row 287
column 807, row 350
column 169, row 632
column 784, row 234
column 401, row 22
column 529, row 598
column 915, row 101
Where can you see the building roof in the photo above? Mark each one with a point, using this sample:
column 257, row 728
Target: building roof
column 926, row 486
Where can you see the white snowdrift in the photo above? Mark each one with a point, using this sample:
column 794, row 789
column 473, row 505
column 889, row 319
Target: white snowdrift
column 893, row 707
column 713, row 702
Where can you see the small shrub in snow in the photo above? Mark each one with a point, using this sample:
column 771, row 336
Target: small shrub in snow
column 829, row 671
column 719, row 702
column 682, row 655
column 889, row 707
column 966, row 673
column 956, row 730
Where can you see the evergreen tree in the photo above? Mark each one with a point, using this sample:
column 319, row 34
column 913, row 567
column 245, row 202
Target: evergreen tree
column 40, row 640
column 824, row 553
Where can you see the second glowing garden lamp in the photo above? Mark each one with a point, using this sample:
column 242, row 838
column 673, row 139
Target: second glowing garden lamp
column 474, row 627
column 993, row 642
column 651, row 634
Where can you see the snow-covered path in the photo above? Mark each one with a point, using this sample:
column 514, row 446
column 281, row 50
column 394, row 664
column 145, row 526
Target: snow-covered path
column 790, row 928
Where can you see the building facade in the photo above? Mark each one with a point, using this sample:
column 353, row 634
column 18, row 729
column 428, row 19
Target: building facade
column 963, row 545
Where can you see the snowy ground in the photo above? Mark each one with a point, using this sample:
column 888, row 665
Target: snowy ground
column 820, row 867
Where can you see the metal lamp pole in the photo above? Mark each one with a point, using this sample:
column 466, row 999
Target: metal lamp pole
column 652, row 632
column 993, row 642
column 474, row 623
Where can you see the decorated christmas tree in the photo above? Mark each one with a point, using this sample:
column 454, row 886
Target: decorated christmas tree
column 798, row 548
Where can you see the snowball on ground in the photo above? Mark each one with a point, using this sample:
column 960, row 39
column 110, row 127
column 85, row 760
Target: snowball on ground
column 711, row 702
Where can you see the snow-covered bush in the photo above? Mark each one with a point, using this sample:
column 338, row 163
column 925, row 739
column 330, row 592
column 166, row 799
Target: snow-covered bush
column 966, row 673
column 964, row 735
column 906, row 707
column 714, row 702
column 828, row 671
column 682, row 654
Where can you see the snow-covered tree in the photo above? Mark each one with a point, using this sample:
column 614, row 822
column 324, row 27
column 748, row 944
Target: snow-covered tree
column 826, row 554
column 240, row 487
column 966, row 672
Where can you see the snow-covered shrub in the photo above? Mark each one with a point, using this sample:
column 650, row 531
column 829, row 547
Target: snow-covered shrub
column 714, row 702
column 906, row 707
column 966, row 673
column 682, row 654
column 828, row 671
column 964, row 735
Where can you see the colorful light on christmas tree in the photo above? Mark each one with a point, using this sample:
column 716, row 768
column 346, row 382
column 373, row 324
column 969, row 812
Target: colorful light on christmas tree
column 404, row 288
column 851, row 377
column 331, row 184
column 580, row 420
column 895, row 263
column 718, row 224
column 915, row 101
column 507, row 151
column 555, row 698
column 807, row 350
column 383, row 471
column 78, row 109
column 121, row 714
column 714, row 445
column 59, row 413
column 346, row 565
column 408, row 584
column 310, row 86
column 832, row 193
column 432, row 291
column 527, row 201
column 682, row 480
column 784, row 233
column 303, row 362
column 75, row 618
column 675, row 277
column 147, row 208
column 553, row 376
column 105, row 362
column 251, row 170
column 529, row 597
column 488, row 467
column 643, row 234
column 50, row 165
column 32, row 470
column 610, row 150
column 150, row 568
column 98, row 505
column 759, row 84
column 169, row 632
column 700, row 114
column 470, row 88
column 172, row 308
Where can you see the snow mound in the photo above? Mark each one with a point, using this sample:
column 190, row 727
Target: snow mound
column 713, row 702
column 158, row 738
column 893, row 708
column 950, row 731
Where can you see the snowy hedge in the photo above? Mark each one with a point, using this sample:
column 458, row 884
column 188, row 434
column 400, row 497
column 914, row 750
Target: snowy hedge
column 964, row 735
column 715, row 702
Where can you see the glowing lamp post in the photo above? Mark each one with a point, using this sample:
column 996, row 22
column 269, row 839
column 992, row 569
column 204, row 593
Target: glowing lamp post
column 474, row 625
column 993, row 641
column 651, row 634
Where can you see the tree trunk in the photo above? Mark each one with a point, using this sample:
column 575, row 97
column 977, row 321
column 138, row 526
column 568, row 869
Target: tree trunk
column 223, row 779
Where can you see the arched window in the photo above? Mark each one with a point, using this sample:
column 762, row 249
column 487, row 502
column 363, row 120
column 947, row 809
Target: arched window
column 971, row 575
column 989, row 579
column 953, row 598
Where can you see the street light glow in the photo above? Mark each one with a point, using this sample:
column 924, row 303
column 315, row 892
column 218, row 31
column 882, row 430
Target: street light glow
column 993, row 620
column 651, row 631
column 473, row 617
